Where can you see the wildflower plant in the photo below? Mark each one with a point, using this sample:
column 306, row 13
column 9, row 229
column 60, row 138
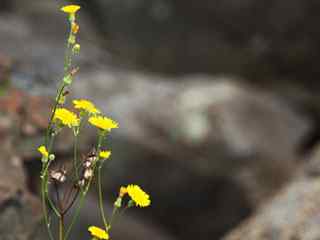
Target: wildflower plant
column 59, row 202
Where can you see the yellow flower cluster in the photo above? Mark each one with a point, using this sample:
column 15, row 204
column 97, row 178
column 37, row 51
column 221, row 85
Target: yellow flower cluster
column 86, row 105
column 70, row 119
column 98, row 233
column 140, row 197
column 66, row 117
column 103, row 123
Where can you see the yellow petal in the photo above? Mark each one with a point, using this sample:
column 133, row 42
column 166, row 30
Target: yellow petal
column 98, row 232
column 105, row 154
column 42, row 149
column 71, row 9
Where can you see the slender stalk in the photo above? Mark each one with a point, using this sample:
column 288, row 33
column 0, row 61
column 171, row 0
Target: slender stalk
column 59, row 202
column 101, row 199
column 112, row 217
column 49, row 128
column 75, row 158
column 45, row 210
column 44, row 172
column 53, row 207
column 61, row 227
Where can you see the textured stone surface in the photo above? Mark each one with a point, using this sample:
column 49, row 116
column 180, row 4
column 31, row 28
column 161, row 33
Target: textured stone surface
column 292, row 214
column 20, row 212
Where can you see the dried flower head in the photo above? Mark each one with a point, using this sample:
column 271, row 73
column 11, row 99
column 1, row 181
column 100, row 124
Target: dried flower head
column 66, row 117
column 81, row 183
column 88, row 173
column 87, row 163
column 98, row 233
column 103, row 123
column 90, row 159
column 58, row 175
column 140, row 198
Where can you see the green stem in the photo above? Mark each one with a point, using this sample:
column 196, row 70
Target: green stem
column 44, row 178
column 112, row 217
column 68, row 54
column 75, row 158
column 54, row 208
column 45, row 210
column 101, row 199
column 61, row 227
column 58, row 96
column 120, row 214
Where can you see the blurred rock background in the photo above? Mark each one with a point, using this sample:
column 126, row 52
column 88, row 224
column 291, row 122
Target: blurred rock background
column 217, row 103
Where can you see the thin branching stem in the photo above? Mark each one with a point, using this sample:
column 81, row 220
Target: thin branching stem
column 76, row 214
column 74, row 198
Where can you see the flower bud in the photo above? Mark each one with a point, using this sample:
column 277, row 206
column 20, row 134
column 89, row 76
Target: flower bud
column 52, row 157
column 67, row 79
column 74, row 28
column 72, row 39
column 44, row 159
column 118, row 202
column 131, row 203
column 123, row 191
column 72, row 17
column 76, row 48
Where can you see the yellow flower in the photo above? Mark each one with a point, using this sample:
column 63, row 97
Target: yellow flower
column 138, row 195
column 105, row 154
column 71, row 9
column 66, row 117
column 103, row 123
column 86, row 106
column 97, row 232
column 43, row 150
